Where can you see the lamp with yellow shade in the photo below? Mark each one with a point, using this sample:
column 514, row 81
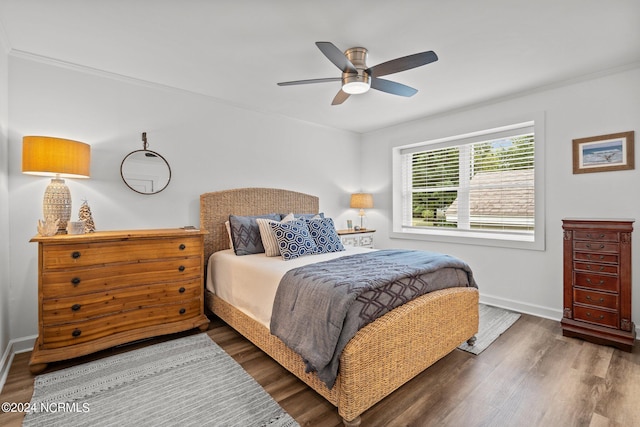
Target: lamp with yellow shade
column 362, row 201
column 59, row 158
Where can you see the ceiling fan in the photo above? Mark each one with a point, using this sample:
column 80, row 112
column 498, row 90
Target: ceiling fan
column 358, row 78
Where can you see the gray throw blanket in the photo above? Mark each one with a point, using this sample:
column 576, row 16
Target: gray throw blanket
column 319, row 307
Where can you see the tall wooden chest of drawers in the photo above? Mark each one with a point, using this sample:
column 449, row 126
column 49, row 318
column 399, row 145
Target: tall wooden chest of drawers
column 103, row 289
column 597, row 281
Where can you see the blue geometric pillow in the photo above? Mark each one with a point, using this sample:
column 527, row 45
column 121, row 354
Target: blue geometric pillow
column 293, row 239
column 305, row 215
column 245, row 233
column 324, row 234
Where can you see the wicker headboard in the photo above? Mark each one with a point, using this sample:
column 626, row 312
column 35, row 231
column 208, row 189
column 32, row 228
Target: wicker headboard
column 216, row 207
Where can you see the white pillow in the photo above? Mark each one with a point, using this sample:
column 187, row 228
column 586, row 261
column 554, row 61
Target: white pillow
column 268, row 236
column 226, row 224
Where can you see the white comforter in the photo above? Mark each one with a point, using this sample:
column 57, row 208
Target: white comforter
column 249, row 282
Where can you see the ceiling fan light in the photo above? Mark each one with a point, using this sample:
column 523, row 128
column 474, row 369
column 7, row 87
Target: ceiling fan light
column 354, row 88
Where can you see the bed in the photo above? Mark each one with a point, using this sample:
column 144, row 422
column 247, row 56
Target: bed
column 381, row 356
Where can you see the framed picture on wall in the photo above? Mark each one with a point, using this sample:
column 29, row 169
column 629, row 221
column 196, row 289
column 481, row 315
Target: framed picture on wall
column 603, row 153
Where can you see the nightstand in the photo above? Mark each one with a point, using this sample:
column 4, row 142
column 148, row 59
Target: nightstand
column 361, row 238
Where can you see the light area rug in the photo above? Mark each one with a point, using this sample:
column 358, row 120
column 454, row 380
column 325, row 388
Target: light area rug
column 493, row 322
column 188, row 381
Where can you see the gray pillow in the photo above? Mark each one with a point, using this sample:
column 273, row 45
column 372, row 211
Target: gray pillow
column 245, row 233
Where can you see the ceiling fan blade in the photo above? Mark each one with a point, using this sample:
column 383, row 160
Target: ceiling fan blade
column 304, row 82
column 336, row 56
column 394, row 88
column 340, row 97
column 402, row 64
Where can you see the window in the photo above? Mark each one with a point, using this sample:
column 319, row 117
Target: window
column 480, row 186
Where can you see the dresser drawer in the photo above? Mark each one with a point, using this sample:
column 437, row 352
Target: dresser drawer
column 63, row 256
column 587, row 256
column 59, row 283
column 595, row 268
column 587, row 245
column 596, row 281
column 600, row 299
column 79, row 332
column 598, row 236
column 594, row 315
column 72, row 309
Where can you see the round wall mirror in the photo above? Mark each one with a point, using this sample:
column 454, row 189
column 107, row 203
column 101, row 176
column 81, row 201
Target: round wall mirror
column 145, row 172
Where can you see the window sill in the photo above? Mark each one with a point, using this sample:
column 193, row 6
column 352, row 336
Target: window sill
column 473, row 238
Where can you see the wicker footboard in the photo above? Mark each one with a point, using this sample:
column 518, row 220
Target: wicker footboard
column 410, row 338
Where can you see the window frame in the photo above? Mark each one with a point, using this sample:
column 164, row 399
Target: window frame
column 474, row 237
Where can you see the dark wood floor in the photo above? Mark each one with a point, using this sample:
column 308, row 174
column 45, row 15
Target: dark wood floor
column 531, row 376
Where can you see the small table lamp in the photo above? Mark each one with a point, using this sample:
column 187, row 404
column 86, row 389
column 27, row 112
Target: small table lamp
column 362, row 201
column 60, row 158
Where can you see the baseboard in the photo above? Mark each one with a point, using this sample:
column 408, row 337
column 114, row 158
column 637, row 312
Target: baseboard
column 521, row 307
column 14, row 347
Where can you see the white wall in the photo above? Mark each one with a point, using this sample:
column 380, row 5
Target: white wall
column 210, row 146
column 4, row 210
column 530, row 281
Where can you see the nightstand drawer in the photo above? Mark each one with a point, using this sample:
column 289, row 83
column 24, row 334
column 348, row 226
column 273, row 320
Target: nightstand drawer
column 600, row 299
column 73, row 309
column 604, row 258
column 594, row 315
column 366, row 240
column 596, row 246
column 595, row 268
column 598, row 236
column 90, row 254
column 79, row 332
column 596, row 281
column 360, row 238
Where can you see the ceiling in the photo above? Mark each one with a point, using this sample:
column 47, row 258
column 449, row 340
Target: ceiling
column 236, row 51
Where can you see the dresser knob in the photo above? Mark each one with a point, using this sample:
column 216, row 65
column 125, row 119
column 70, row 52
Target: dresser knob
column 75, row 307
column 181, row 268
column 75, row 254
column 183, row 311
column 181, row 290
column 76, row 332
column 75, row 281
column 599, row 317
column 182, row 247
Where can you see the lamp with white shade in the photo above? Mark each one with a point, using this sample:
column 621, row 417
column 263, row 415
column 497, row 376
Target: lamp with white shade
column 362, row 201
column 59, row 158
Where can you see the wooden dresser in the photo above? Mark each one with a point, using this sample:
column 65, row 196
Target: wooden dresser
column 597, row 281
column 103, row 289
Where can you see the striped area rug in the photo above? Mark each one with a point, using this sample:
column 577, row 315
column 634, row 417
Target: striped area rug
column 493, row 322
column 188, row 381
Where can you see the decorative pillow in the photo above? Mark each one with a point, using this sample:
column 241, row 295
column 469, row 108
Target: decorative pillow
column 293, row 239
column 268, row 236
column 245, row 233
column 306, row 215
column 228, row 227
column 324, row 234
